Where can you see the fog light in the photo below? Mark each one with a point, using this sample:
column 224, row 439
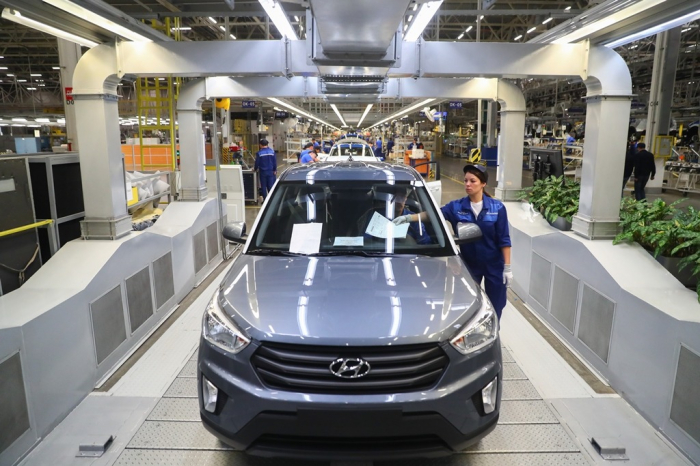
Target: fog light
column 488, row 396
column 209, row 395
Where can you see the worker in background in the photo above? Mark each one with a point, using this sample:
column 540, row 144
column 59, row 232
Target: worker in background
column 571, row 139
column 629, row 165
column 266, row 166
column 487, row 259
column 390, row 146
column 308, row 155
column 644, row 167
column 416, row 144
column 315, row 143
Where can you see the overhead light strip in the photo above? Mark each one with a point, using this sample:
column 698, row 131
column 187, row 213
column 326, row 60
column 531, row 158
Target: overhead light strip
column 98, row 20
column 276, row 13
column 299, row 111
column 16, row 16
column 656, row 29
column 362, row 118
column 335, row 109
column 607, row 21
column 423, row 17
column 402, row 112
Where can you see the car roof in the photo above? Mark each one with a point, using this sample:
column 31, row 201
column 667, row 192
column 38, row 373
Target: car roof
column 352, row 141
column 350, row 170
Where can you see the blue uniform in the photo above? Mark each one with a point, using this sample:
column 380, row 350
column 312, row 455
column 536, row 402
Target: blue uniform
column 390, row 147
column 484, row 258
column 266, row 164
column 306, row 157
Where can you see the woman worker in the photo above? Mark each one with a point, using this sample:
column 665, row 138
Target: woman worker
column 489, row 257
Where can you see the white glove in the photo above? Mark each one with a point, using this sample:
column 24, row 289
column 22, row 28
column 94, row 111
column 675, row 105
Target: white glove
column 507, row 276
column 402, row 219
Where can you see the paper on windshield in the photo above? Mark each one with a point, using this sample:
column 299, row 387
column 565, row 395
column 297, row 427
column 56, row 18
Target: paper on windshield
column 349, row 241
column 381, row 227
column 306, row 238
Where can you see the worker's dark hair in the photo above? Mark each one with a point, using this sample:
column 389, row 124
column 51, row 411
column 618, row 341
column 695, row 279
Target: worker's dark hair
column 308, row 144
column 641, row 145
column 263, row 142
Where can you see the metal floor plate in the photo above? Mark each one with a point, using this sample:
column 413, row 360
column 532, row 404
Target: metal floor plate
column 176, row 409
column 511, row 371
column 506, row 356
column 182, row 388
column 200, row 458
column 523, row 412
column 535, row 438
column 190, row 369
column 174, row 435
column 516, row 390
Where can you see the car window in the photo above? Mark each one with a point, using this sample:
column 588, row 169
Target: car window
column 354, row 216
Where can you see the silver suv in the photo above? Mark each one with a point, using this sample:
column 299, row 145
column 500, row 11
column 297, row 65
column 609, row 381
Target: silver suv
column 338, row 334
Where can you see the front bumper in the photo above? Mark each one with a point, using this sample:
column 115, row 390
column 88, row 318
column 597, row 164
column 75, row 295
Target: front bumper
column 262, row 421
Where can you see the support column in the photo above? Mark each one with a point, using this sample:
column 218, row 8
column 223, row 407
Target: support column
column 607, row 119
column 663, row 79
column 68, row 55
column 192, row 180
column 102, row 165
column 491, row 117
column 509, row 173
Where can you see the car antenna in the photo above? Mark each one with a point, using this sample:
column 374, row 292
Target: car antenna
column 350, row 158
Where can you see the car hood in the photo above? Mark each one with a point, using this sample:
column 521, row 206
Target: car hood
column 349, row 300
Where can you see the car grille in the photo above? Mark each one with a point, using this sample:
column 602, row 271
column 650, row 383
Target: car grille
column 394, row 369
column 356, row 446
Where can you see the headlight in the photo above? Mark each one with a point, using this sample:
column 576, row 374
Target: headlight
column 218, row 329
column 480, row 331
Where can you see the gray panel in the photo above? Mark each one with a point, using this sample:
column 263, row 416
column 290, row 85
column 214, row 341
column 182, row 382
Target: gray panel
column 200, row 251
column 163, row 277
column 108, row 326
column 685, row 408
column 182, row 388
column 175, row 435
column 526, row 412
column 138, row 297
column 595, row 324
column 564, row 298
column 540, row 276
column 212, row 241
column 516, row 438
column 176, row 409
column 14, row 416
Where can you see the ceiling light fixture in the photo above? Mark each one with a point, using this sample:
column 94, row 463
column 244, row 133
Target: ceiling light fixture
column 55, row 67
column 212, row 20
column 298, row 111
column 94, row 18
column 415, row 7
column 518, row 37
column 16, row 16
column 469, row 28
column 3, row 67
column 364, row 114
column 460, row 36
column 232, row 36
column 481, row 17
column 567, row 8
column 531, row 30
column 609, row 20
column 35, row 74
column 335, row 109
column 547, row 20
column 276, row 13
column 423, row 17
column 685, row 30
column 183, row 28
column 409, row 18
column 406, row 110
column 655, row 30
column 222, row 28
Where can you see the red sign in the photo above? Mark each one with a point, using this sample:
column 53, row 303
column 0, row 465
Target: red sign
column 69, row 94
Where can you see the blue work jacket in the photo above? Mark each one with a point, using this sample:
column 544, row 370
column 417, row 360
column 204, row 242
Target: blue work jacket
column 484, row 254
column 265, row 160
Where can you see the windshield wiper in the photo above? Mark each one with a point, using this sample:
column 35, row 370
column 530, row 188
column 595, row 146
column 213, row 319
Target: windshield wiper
column 355, row 253
column 274, row 252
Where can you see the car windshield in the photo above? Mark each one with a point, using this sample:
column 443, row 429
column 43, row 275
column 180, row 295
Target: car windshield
column 348, row 217
column 350, row 149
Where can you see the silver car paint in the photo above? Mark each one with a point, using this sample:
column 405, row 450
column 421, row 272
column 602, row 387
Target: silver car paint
column 349, row 300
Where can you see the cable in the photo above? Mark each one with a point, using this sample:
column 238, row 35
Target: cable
column 21, row 272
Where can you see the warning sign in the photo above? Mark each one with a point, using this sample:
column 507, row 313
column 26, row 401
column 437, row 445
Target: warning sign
column 69, row 95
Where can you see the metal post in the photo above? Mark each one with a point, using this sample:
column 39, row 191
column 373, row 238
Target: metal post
column 479, row 109
column 68, row 55
column 216, row 153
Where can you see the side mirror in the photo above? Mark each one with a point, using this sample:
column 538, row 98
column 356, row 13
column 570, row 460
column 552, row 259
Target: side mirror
column 467, row 233
column 235, row 232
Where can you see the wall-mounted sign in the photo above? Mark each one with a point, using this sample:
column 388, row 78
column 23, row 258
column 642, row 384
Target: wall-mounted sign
column 69, row 95
column 455, row 104
column 281, row 115
column 248, row 104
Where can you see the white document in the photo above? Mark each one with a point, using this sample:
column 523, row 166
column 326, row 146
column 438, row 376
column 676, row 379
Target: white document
column 306, row 238
column 381, row 227
column 349, row 241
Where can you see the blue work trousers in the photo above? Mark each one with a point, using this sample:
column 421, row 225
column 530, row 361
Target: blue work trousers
column 267, row 179
column 639, row 185
column 493, row 286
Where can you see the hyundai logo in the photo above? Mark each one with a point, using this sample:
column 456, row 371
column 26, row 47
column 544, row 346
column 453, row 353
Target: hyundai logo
column 349, row 368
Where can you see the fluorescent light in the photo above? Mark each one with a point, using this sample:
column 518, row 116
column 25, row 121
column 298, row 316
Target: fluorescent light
column 10, row 75
column 222, row 28
column 567, row 8
column 469, row 28
column 232, row 36
column 276, row 13
column 21, row 80
column 35, row 74
column 362, row 118
column 212, row 20
column 686, row 30
column 481, row 17
column 335, row 109
column 42, row 85
column 460, row 36
column 423, row 17
column 43, row 120
column 298, row 111
column 19, row 119
column 183, row 28
column 296, row 18
column 17, row 17
column 19, row 124
column 518, row 37
column 94, row 18
column 609, row 20
column 531, row 30
column 31, row 88
column 56, row 67
column 547, row 20
column 406, row 110
column 415, row 7
column 3, row 67
column 656, row 29
column 409, row 18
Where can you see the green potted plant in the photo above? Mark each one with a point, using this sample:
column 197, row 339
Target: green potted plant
column 556, row 198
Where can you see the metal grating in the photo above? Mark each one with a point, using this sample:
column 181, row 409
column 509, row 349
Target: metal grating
column 540, row 277
column 212, row 241
column 195, row 355
column 182, row 388
column 512, row 371
column 172, row 435
column 163, row 278
column 200, row 251
column 685, row 409
column 139, row 298
column 595, row 323
column 176, row 409
column 521, row 438
column 14, row 415
column 526, row 412
column 519, row 390
column 190, row 369
column 108, row 325
column 506, row 356
column 564, row 298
